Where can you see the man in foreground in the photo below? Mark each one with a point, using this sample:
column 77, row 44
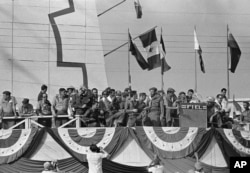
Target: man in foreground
column 95, row 157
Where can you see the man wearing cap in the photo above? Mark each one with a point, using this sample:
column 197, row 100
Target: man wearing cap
column 26, row 109
column 60, row 107
column 8, row 109
column 170, row 101
column 156, row 107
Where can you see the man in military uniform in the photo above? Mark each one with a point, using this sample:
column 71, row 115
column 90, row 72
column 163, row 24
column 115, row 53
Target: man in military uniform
column 156, row 107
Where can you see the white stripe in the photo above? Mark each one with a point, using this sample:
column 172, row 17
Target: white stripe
column 154, row 47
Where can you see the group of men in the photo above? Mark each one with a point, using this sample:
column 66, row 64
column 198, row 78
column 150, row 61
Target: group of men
column 115, row 108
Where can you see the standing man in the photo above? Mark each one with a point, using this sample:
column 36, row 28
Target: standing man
column 170, row 102
column 156, row 107
column 44, row 89
column 190, row 94
column 60, row 107
column 43, row 108
column 95, row 157
column 8, row 109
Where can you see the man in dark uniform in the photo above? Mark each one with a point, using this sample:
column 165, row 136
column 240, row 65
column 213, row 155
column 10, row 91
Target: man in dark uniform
column 156, row 107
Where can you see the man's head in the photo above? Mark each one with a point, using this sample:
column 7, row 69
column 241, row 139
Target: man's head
column 6, row 95
column 70, row 90
column 190, row 93
column 142, row 96
column 153, row 91
column 219, row 98
column 25, row 101
column 95, row 92
column 105, row 94
column 170, row 91
column 45, row 97
column 161, row 92
column 112, row 93
column 133, row 95
column 47, row 166
column 223, row 91
column 44, row 88
column 94, row 148
column 62, row 92
column 246, row 105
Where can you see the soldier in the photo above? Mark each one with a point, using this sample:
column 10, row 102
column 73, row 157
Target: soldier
column 156, row 107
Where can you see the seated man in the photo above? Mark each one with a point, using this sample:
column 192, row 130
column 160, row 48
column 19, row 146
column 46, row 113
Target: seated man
column 8, row 109
column 60, row 107
column 26, row 109
column 131, row 107
column 44, row 109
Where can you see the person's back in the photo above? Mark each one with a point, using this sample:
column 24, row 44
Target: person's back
column 94, row 157
column 95, row 162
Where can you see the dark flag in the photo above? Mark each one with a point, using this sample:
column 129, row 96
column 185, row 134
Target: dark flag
column 164, row 65
column 138, row 9
column 138, row 56
column 234, row 51
column 197, row 47
column 150, row 43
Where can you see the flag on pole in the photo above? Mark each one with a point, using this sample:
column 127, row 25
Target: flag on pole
column 138, row 56
column 150, row 43
column 234, row 51
column 197, row 47
column 138, row 9
column 164, row 65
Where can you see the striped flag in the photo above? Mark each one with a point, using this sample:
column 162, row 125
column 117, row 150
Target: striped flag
column 150, row 43
column 164, row 65
column 138, row 56
column 138, row 9
column 234, row 51
column 197, row 47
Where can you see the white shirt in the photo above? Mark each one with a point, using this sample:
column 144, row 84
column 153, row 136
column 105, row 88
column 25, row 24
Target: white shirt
column 95, row 161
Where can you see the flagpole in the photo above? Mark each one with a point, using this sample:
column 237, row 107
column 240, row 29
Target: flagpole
column 228, row 84
column 195, row 69
column 110, row 8
column 128, row 42
column 162, row 73
column 129, row 75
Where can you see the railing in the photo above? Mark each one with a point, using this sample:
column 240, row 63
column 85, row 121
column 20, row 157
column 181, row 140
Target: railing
column 28, row 121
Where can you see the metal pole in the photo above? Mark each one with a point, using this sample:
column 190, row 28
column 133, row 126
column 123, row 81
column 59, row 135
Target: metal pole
column 110, row 8
column 195, row 69
column 129, row 75
column 12, row 47
column 162, row 72
column 228, row 84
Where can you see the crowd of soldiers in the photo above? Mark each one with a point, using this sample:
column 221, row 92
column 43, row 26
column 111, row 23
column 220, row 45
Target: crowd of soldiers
column 115, row 108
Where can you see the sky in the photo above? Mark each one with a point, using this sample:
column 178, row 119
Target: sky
column 177, row 19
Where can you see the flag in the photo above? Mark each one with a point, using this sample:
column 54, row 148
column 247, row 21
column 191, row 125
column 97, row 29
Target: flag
column 234, row 51
column 138, row 56
column 197, row 47
column 149, row 42
column 138, row 9
column 164, row 65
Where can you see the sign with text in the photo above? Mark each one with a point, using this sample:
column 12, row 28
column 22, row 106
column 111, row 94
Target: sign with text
column 193, row 115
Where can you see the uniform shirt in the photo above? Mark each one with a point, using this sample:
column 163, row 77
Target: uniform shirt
column 95, row 161
column 7, row 107
column 156, row 102
column 246, row 116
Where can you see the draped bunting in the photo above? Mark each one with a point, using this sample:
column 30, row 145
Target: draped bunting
column 239, row 140
column 13, row 143
column 77, row 141
column 169, row 142
column 173, row 145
